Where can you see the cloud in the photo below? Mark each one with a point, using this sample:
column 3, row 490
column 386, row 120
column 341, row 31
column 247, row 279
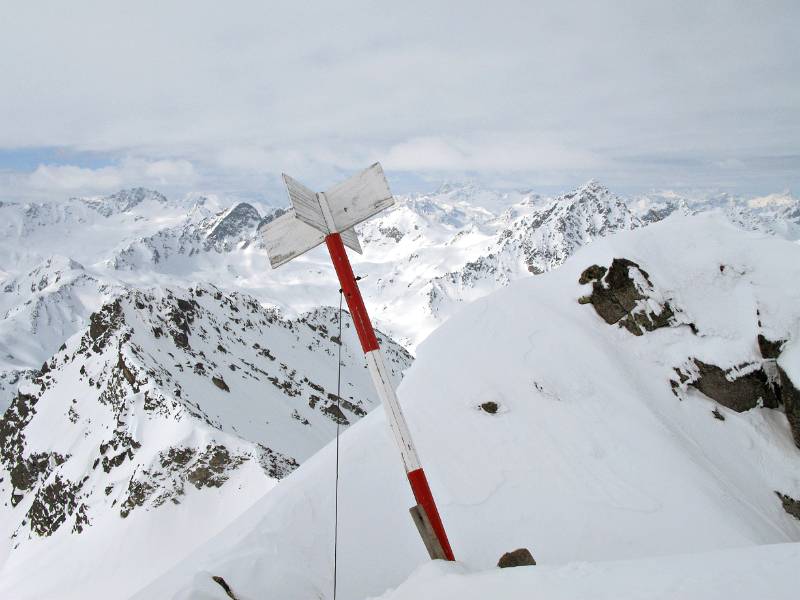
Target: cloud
column 509, row 154
column 58, row 180
column 72, row 178
column 561, row 87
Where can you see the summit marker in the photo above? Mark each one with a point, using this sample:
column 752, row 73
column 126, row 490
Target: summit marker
column 329, row 217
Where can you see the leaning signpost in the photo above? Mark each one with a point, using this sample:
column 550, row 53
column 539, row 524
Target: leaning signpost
column 330, row 217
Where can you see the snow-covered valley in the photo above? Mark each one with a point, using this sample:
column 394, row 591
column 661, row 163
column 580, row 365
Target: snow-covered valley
column 161, row 380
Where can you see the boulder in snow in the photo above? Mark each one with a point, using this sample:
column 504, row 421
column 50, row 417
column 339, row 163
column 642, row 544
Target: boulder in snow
column 521, row 557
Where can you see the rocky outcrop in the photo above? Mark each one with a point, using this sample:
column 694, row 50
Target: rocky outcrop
column 103, row 323
column 740, row 389
column 785, row 389
column 760, row 383
column 769, row 349
column 623, row 294
column 790, row 396
column 790, row 505
column 220, row 383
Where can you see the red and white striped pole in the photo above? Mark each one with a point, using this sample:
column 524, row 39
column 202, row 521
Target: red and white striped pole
column 380, row 377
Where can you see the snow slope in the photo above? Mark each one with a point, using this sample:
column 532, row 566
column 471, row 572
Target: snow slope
column 597, row 451
column 166, row 418
column 740, row 573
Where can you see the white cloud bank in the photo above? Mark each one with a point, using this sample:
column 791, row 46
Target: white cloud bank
column 57, row 181
column 641, row 92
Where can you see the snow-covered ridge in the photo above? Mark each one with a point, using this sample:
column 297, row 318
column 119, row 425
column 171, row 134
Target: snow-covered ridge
column 168, row 394
column 542, row 424
column 175, row 345
column 424, row 258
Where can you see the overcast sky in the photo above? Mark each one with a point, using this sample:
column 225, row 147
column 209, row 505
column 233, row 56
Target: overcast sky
column 224, row 96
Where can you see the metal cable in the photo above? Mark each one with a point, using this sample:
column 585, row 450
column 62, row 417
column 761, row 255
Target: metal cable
column 338, row 423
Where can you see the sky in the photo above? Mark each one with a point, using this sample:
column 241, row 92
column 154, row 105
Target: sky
column 221, row 97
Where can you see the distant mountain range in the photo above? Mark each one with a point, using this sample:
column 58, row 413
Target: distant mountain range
column 423, row 258
column 150, row 358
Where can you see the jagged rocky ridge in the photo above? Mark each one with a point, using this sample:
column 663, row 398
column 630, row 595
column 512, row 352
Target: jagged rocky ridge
column 424, row 258
column 171, row 390
column 537, row 237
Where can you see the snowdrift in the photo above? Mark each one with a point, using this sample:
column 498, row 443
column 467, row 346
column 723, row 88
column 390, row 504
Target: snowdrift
column 598, row 450
column 755, row 572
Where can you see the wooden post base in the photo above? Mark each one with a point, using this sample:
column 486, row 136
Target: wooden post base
column 423, row 523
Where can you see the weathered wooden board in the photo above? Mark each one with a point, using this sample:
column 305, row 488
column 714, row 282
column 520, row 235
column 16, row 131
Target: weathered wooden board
column 359, row 197
column 306, row 205
column 288, row 237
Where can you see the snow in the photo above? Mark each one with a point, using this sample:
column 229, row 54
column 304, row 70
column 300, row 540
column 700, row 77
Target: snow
column 741, row 573
column 424, row 259
column 591, row 458
column 113, row 441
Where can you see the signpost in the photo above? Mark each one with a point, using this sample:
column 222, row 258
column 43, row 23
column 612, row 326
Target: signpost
column 330, row 217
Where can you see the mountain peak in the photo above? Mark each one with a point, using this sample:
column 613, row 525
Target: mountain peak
column 594, row 187
column 238, row 219
column 123, row 200
column 449, row 187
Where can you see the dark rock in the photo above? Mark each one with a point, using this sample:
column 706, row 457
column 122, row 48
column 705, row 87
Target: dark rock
column 335, row 414
column 620, row 283
column 27, row 472
column 241, row 219
column 138, row 492
column 51, row 507
column 212, row 467
column 275, row 464
column 718, row 415
column 177, row 456
column 740, row 394
column 593, row 273
column 181, row 339
column 126, row 372
column 768, row 348
column 790, row 396
column 615, row 297
column 392, row 233
column 104, row 321
column 220, row 383
column 489, row 407
column 790, row 505
column 298, row 417
column 224, row 585
column 521, row 557
column 185, row 305
column 353, row 408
